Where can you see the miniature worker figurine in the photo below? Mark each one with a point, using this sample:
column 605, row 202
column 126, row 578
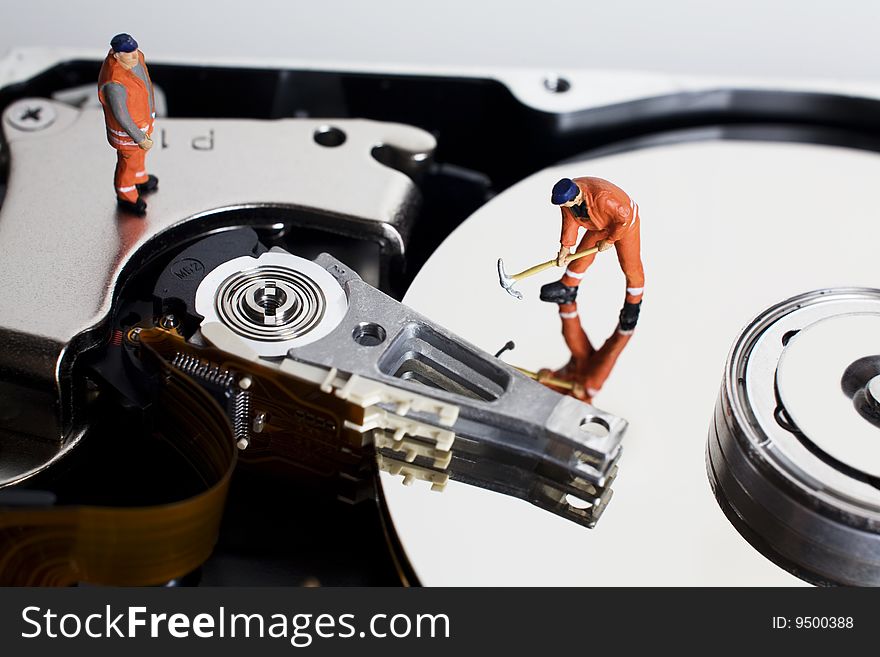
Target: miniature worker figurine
column 611, row 219
column 126, row 94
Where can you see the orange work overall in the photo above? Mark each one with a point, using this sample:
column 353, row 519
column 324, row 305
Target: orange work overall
column 130, row 158
column 611, row 215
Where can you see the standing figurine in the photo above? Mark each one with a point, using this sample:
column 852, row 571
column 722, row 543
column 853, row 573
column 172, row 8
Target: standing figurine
column 611, row 218
column 126, row 94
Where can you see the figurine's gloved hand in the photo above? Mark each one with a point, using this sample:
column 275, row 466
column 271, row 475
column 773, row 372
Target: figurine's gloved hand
column 146, row 144
column 563, row 257
column 604, row 245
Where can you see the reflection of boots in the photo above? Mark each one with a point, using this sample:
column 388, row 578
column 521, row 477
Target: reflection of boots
column 558, row 292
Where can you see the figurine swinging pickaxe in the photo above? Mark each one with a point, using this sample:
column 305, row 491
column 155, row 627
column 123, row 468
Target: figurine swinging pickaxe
column 507, row 281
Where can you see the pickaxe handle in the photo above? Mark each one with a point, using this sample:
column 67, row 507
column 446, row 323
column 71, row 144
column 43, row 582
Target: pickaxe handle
column 559, row 383
column 537, row 269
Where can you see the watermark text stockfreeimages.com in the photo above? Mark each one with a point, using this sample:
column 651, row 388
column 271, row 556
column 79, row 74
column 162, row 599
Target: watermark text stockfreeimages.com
column 300, row 629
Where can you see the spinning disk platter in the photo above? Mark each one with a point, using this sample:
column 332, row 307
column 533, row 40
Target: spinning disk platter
column 729, row 229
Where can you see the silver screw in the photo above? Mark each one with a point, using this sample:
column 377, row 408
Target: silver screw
column 556, row 84
column 31, row 114
column 169, row 322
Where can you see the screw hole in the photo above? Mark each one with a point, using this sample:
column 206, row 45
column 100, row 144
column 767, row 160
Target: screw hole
column 576, row 502
column 329, row 136
column 556, row 85
column 595, row 426
column 270, row 301
column 368, row 334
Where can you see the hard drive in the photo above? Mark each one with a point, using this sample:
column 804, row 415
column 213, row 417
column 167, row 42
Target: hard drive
column 309, row 314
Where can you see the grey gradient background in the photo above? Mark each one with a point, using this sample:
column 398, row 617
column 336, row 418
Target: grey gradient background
column 782, row 38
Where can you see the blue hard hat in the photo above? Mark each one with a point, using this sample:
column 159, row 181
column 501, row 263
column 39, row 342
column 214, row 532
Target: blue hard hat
column 564, row 191
column 123, row 43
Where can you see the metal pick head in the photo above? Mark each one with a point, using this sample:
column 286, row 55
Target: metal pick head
column 506, row 281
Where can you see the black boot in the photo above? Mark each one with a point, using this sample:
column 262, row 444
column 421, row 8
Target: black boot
column 151, row 185
column 139, row 207
column 629, row 316
column 558, row 293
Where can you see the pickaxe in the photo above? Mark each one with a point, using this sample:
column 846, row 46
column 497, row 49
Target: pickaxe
column 507, row 281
